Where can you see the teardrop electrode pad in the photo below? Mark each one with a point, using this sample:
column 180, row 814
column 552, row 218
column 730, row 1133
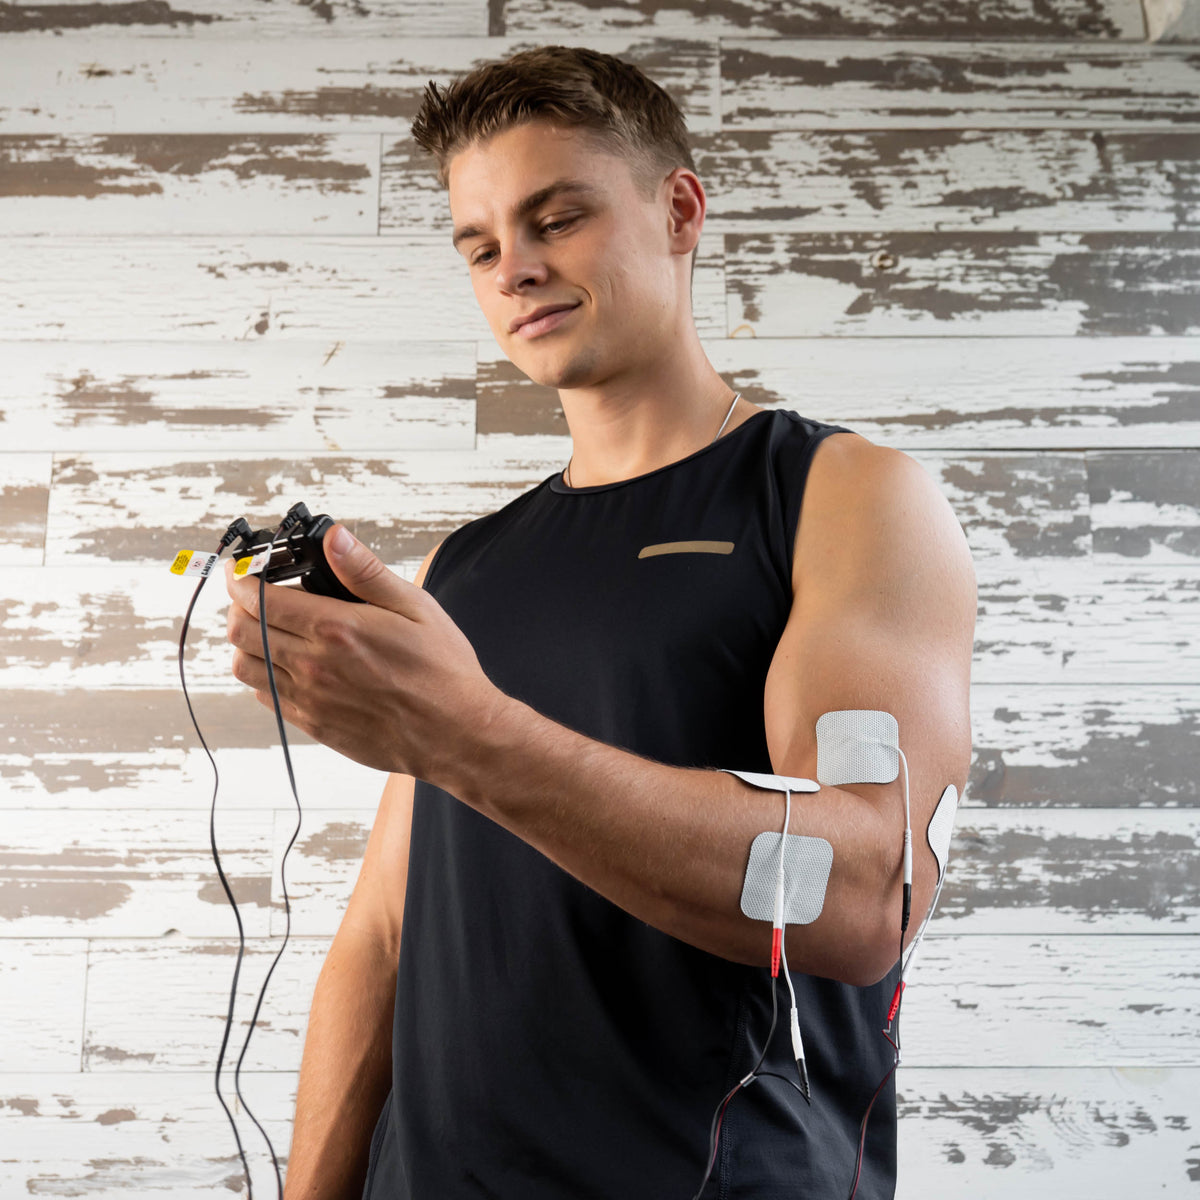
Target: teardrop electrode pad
column 857, row 745
column 941, row 828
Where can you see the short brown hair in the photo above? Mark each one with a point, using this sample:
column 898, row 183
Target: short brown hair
column 566, row 85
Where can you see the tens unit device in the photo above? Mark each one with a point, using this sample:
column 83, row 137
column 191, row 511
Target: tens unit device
column 294, row 551
column 786, row 874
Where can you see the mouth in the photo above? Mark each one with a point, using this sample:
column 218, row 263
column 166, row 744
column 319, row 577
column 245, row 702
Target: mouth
column 542, row 320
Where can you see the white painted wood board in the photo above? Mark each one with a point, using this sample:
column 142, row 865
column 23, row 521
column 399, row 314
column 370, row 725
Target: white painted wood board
column 215, row 84
column 203, row 183
column 134, row 872
column 821, row 181
column 412, row 289
column 24, row 495
column 1012, row 872
column 976, row 394
column 1075, row 1134
column 1040, row 621
column 982, row 1001
column 267, row 397
column 42, row 987
column 1036, row 746
column 834, row 83
column 140, row 1134
column 245, row 19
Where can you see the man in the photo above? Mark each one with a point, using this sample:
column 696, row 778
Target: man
column 576, row 988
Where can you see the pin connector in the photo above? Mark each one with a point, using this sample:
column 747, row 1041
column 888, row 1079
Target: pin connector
column 798, row 1051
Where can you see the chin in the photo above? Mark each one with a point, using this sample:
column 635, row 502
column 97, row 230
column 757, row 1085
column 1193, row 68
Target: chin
column 575, row 371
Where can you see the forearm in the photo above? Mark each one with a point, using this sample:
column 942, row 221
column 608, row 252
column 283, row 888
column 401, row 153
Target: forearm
column 670, row 845
column 345, row 1072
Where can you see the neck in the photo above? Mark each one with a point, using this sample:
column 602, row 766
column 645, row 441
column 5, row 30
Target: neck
column 644, row 420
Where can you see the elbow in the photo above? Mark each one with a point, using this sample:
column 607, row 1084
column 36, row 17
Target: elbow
column 859, row 952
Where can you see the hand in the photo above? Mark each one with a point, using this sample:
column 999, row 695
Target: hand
column 392, row 683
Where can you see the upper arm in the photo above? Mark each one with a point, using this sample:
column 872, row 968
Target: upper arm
column 376, row 905
column 882, row 617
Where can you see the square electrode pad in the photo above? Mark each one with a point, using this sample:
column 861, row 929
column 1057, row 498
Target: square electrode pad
column 806, row 865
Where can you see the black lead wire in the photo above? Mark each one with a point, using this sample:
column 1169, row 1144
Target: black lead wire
column 287, row 758
column 212, row 835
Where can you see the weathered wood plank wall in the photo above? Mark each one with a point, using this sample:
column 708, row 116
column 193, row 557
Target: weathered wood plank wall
column 971, row 232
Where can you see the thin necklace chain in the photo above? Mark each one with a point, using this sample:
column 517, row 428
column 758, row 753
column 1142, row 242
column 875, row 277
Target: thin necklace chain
column 736, row 398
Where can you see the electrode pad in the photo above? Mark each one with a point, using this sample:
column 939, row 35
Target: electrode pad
column 941, row 828
column 806, row 865
column 849, row 749
column 775, row 783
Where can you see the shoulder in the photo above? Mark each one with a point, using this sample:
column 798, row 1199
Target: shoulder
column 872, row 512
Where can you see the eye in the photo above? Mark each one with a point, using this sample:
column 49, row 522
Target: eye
column 549, row 227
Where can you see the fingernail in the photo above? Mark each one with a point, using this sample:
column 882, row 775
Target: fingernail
column 341, row 541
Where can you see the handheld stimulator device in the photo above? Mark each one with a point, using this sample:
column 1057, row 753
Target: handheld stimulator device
column 295, row 550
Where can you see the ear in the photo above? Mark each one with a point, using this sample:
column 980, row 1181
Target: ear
column 686, row 206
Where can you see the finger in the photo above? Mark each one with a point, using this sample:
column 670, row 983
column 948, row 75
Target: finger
column 368, row 578
column 244, row 632
column 290, row 609
column 252, row 671
column 290, row 713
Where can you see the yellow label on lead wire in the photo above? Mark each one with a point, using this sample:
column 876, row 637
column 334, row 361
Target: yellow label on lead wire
column 193, row 562
column 251, row 566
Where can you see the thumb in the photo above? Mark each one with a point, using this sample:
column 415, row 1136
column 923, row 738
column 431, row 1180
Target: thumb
column 365, row 574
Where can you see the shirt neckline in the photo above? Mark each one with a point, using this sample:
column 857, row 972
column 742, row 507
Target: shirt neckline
column 558, row 484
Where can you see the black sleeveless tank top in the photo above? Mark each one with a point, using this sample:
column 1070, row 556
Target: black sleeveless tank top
column 547, row 1045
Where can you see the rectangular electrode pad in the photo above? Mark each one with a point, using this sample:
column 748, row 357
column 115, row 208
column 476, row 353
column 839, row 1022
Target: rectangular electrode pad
column 806, row 865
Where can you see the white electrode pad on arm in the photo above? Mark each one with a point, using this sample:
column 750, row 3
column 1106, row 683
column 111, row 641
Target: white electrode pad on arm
column 857, row 745
column 941, row 828
column 806, row 864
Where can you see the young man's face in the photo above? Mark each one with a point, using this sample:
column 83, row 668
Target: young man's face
column 546, row 219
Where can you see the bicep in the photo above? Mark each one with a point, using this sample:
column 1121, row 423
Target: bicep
column 884, row 619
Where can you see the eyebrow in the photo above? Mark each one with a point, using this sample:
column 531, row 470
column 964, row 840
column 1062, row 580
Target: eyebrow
column 533, row 201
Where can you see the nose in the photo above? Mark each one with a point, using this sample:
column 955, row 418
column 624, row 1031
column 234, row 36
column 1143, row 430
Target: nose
column 520, row 266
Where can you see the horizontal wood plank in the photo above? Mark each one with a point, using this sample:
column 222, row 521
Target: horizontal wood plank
column 1101, row 20
column 219, row 84
column 24, row 498
column 988, row 1000
column 42, row 987
column 229, row 289
column 130, row 748
column 1065, row 871
column 974, row 394
column 982, row 1131
column 858, row 84
column 182, row 991
column 1042, row 621
column 135, row 873
column 138, row 1134
column 243, row 19
column 800, row 18
column 970, row 393
column 817, row 181
column 1082, row 745
column 1117, row 509
column 235, row 396
column 1035, row 747
column 1077, row 1133
column 995, row 284
column 147, row 184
